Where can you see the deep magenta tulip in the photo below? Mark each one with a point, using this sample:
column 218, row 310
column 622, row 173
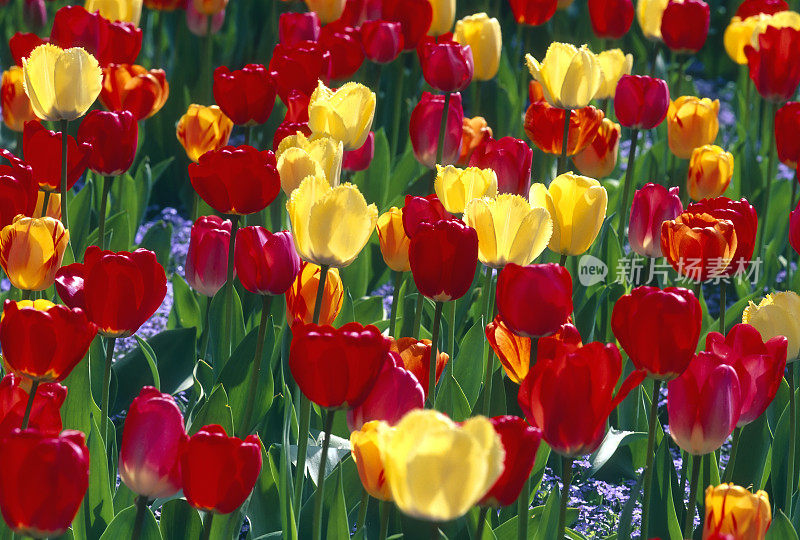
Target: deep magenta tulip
column 443, row 257
column 114, row 137
column 426, row 119
column 382, row 40
column 510, row 159
column 294, row 28
column 446, row 64
column 653, row 204
column 534, row 300
column 266, row 263
column 207, row 258
column 641, row 102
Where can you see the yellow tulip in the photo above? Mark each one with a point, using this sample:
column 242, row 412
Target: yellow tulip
column 691, row 122
column 509, row 229
column 483, row 36
column 202, row 129
column 649, row 13
column 778, row 314
column 444, row 13
column 738, row 34
column 365, row 449
column 299, row 157
column 733, row 510
column 327, row 10
column 436, row 469
column 456, row 187
column 15, row 105
column 710, row 172
column 577, row 205
column 393, row 240
column 117, row 10
column 31, row 251
column 614, row 64
column 345, row 114
column 330, row 225
column 570, row 77
column 61, row 84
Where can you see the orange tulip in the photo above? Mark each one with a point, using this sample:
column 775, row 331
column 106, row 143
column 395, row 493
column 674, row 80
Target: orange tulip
column 544, row 125
column 416, row 356
column 302, row 296
column 393, row 240
column 513, row 351
column 15, row 102
column 599, row 159
column 203, row 129
column 476, row 132
column 733, row 511
column 133, row 88
column 698, row 246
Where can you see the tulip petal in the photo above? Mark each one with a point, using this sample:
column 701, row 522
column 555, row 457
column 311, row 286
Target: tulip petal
column 77, row 79
column 38, row 69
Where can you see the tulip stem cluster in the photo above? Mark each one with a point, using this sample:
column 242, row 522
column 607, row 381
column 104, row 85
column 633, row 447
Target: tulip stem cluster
column 110, row 343
column 688, row 527
column 320, row 493
column 627, row 186
column 437, row 318
column 648, row 469
column 31, row 395
column 101, row 227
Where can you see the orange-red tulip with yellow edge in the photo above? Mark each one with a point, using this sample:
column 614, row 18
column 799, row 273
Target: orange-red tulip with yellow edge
column 302, row 296
column 710, row 172
column 202, row 129
column 544, row 125
column 599, row 159
column 31, row 251
column 736, row 511
column 393, row 240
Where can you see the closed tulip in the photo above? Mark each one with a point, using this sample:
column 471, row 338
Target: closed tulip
column 611, row 19
column 330, row 225
column 424, row 125
column 209, row 7
column 533, row 12
column 203, row 129
column 734, row 512
column 327, row 10
column 710, row 172
column 118, row 291
column 658, row 329
column 770, row 63
column 114, row 137
column 476, row 133
column 738, row 34
column 236, row 179
column 653, row 204
column 520, row 442
column 44, row 481
column 684, row 25
column 395, row 392
column 133, row 88
column 745, row 223
column 40, row 145
column 266, row 263
column 294, row 28
column 15, row 104
column 509, row 229
column 573, row 419
column 457, row 187
column 777, row 314
column 794, row 228
column 415, row 18
column 45, row 413
column 207, row 257
column 691, row 122
column 344, row 44
column 570, row 77
column 117, row 10
column 299, row 67
column 443, row 257
column 31, row 250
column 382, row 40
column 345, row 114
column 246, row 95
column 393, row 240
column 510, row 159
column 365, row 449
column 698, row 246
column 416, row 357
column 301, row 296
column 218, row 472
column 703, row 404
column 360, row 158
column 649, row 14
column 599, row 159
column 641, row 102
column 577, row 205
column 546, row 286
column 615, row 64
column 299, row 157
column 447, row 65
column 419, row 210
column 18, row 189
column 108, row 41
column 484, row 38
column 149, row 457
column 427, row 444
column 337, row 367
column 787, row 122
column 544, row 125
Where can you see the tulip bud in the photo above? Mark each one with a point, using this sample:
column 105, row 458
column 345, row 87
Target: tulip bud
column 245, row 95
column 416, row 357
column 393, row 240
column 570, row 77
column 266, row 263
column 533, row 13
column 199, row 24
column 426, row 119
column 345, row 114
column 778, row 314
column 710, row 172
column 649, row 14
column 548, row 286
column 641, row 102
column 45, row 413
column 344, row 44
column 611, row 19
column 698, row 246
column 133, row 88
column 447, row 65
column 114, row 137
column 294, row 28
column 684, row 25
column 615, row 64
column 16, row 106
column 202, row 129
column 207, row 257
column 691, row 122
column 31, row 250
column 457, row 187
column 734, row 512
column 301, row 296
column 510, row 159
column 443, row 257
column 366, row 452
column 382, row 40
column 599, row 159
column 483, row 36
column 653, row 204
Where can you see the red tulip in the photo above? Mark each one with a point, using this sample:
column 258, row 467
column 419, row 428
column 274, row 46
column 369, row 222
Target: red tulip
column 748, row 8
column 44, row 341
column 443, row 256
column 336, row 367
column 266, row 263
column 684, row 25
column 419, row 210
column 110, row 42
column 382, row 40
column 360, row 158
column 219, row 472
column 344, row 44
column 294, row 28
column 45, row 414
column 236, row 179
column 703, row 404
column 534, row 300
column 296, row 118
column 772, row 65
column 787, row 124
column 21, row 45
column 446, row 64
column 659, row 329
column 44, row 480
column 357, row 12
column 533, row 12
column 414, row 16
column 18, row 191
column 758, row 365
column 395, row 392
column 611, row 19
column 40, row 145
column 426, row 119
column 641, row 102
column 128, row 87
column 745, row 223
column 207, row 257
column 118, row 291
column 149, row 458
column 794, row 228
column 245, row 95
column 652, row 205
column 510, row 159
column 299, row 67
column 520, row 442
column 113, row 137
column 569, row 393
column 544, row 124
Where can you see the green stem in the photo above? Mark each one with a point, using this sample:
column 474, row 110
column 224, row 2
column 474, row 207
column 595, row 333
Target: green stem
column 481, row 522
column 255, row 375
column 101, row 229
column 320, row 494
column 684, row 460
column 451, row 330
column 157, row 36
column 648, row 469
column 206, row 319
column 562, row 161
column 397, row 282
column 722, row 305
column 141, row 508
column 110, row 342
column 523, row 505
column 770, row 173
column 679, row 76
column 386, row 512
column 442, row 129
column 563, row 260
column 64, row 212
column 207, row 84
column 688, row 527
column 323, row 276
column 437, row 317
column 566, row 474
column 792, row 439
column 206, row 535
column 728, row 476
column 626, row 188
column 26, row 294
column 31, row 395
column 398, row 99
column 46, row 202
column 226, row 336
column 418, row 316
column 486, row 292
column 362, row 510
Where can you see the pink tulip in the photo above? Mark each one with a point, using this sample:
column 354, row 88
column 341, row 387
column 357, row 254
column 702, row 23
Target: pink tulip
column 207, row 258
column 652, row 205
column 426, row 119
column 198, row 23
column 266, row 263
column 640, row 101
